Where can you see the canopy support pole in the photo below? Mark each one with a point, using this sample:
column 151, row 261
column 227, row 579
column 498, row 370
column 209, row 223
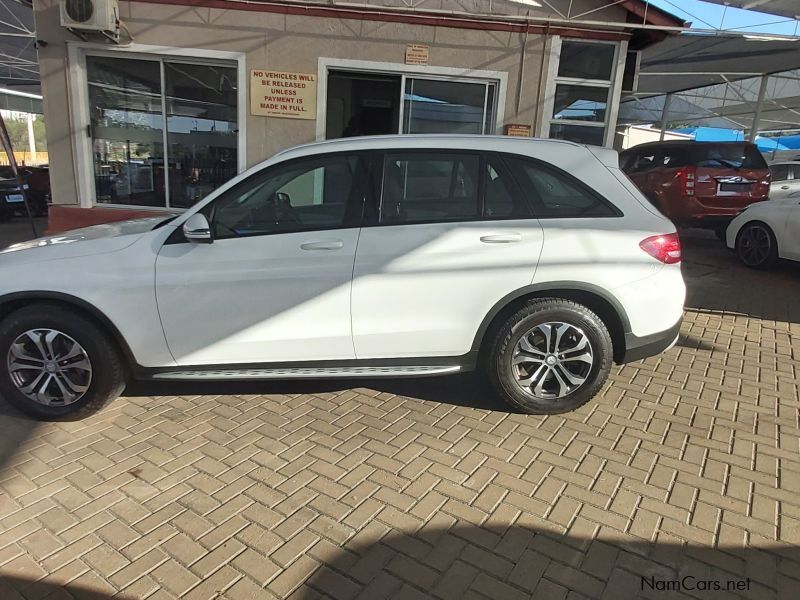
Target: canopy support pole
column 762, row 92
column 664, row 116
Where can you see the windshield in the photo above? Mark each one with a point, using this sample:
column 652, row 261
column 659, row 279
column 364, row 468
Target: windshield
column 728, row 156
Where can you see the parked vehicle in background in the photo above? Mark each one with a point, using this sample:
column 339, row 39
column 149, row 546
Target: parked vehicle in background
column 766, row 232
column 699, row 184
column 785, row 179
column 537, row 261
column 37, row 185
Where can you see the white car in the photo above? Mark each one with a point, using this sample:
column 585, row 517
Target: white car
column 538, row 261
column 766, row 231
column 785, row 180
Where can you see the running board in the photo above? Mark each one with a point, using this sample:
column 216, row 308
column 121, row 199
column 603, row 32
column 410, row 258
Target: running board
column 310, row 373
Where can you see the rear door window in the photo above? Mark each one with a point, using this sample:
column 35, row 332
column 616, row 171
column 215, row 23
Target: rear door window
column 501, row 200
column 422, row 187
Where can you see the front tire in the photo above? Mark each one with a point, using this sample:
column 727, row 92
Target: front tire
column 55, row 363
column 757, row 246
column 552, row 356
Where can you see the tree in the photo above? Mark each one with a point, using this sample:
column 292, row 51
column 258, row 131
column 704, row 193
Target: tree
column 17, row 125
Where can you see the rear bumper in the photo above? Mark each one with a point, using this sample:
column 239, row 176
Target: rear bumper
column 708, row 212
column 637, row 348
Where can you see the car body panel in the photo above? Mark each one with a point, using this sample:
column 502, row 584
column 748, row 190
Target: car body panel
column 259, row 299
column 785, row 180
column 782, row 217
column 426, row 288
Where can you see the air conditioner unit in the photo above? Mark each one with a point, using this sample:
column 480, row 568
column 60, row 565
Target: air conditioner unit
column 90, row 15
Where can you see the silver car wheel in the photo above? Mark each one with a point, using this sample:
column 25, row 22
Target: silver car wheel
column 49, row 367
column 552, row 360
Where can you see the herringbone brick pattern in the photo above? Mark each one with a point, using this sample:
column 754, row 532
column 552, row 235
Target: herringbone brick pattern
column 686, row 466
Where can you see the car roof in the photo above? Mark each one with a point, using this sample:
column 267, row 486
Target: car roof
column 687, row 143
column 397, row 141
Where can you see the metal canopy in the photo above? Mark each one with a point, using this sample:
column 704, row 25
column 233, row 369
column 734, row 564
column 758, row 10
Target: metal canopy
column 19, row 68
column 782, row 8
column 690, row 61
column 734, row 81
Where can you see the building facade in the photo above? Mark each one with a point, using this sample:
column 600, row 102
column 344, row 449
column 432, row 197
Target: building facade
column 195, row 91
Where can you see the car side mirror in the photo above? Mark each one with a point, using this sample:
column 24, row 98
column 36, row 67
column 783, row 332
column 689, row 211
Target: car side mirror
column 196, row 229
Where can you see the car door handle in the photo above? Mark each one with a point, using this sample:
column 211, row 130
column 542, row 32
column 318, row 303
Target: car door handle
column 784, row 187
column 504, row 238
column 323, row 245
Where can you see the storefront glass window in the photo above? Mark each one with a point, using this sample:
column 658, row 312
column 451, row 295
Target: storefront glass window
column 133, row 101
column 583, row 89
column 580, row 134
column 585, row 60
column 580, row 103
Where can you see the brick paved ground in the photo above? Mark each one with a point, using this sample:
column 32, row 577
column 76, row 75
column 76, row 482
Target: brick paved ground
column 687, row 465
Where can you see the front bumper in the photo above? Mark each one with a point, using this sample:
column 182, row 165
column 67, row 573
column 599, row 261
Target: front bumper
column 637, row 348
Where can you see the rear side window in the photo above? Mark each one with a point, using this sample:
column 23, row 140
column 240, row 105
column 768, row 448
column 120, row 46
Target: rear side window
column 674, row 156
column 556, row 195
column 627, row 160
column 780, row 172
column 429, row 187
column 646, row 159
column 728, row 156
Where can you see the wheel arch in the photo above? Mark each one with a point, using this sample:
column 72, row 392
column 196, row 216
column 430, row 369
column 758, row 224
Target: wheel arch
column 16, row 300
column 595, row 298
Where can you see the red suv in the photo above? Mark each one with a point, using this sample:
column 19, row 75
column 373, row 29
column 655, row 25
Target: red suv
column 700, row 184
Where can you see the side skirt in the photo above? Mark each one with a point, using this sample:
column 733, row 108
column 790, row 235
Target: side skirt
column 350, row 369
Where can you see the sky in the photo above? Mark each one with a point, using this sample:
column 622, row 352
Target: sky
column 714, row 16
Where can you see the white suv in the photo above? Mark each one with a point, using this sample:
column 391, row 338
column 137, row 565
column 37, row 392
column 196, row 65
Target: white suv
column 535, row 260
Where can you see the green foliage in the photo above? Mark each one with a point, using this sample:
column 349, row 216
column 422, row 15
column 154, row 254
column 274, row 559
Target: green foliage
column 18, row 132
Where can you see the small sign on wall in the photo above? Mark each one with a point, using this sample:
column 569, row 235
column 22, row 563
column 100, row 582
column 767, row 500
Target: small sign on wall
column 283, row 94
column 417, row 54
column 519, row 130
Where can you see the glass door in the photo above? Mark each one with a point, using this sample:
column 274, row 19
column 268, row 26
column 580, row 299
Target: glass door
column 448, row 106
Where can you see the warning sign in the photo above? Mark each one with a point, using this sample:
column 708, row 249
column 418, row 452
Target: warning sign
column 518, row 130
column 417, row 54
column 282, row 94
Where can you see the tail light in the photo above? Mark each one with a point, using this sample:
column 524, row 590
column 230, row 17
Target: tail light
column 664, row 248
column 687, row 177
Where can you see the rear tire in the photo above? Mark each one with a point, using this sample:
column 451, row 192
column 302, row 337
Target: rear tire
column 757, row 246
column 552, row 356
column 56, row 364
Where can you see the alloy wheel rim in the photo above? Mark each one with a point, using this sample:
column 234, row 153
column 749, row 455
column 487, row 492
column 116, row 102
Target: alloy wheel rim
column 755, row 245
column 49, row 367
column 552, row 360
